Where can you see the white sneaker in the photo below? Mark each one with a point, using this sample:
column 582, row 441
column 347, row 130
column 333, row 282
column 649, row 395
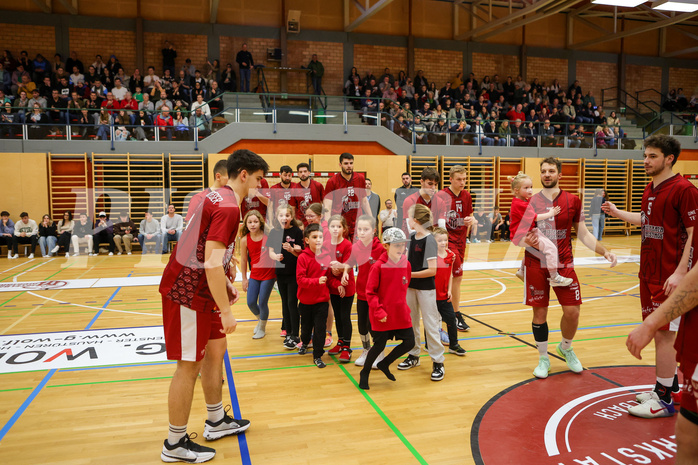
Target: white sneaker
column 380, row 358
column 362, row 358
column 571, row 358
column 645, row 396
column 543, row 367
column 653, row 408
column 112, row 253
column 560, row 281
column 118, row 253
column 55, row 249
column 76, row 254
column 128, row 253
column 67, row 254
column 31, row 255
column 186, row 451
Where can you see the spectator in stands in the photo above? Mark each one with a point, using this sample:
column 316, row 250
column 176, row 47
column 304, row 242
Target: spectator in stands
column 575, row 136
column 56, row 63
column 36, row 98
column 492, row 132
column 119, row 91
column 77, row 76
column 47, row 236
column 518, row 134
column 201, row 122
column 121, row 120
column 74, row 61
column 569, row 112
column 516, row 113
column 85, row 124
column 5, row 79
column 215, row 102
column 163, row 102
column 149, row 80
column 388, row 216
column 40, row 68
column 99, row 89
column 104, row 125
column 92, row 75
column 64, row 88
column 245, row 63
column 419, row 130
column 480, row 133
column 171, row 226
column 531, row 133
column 169, row 54
column 146, row 105
column 317, row 70
column 112, row 66
column 496, row 223
column 17, row 79
column 459, row 132
column 26, row 232
column 149, row 231
column 124, row 229
column 136, row 80
column 65, row 231
column 228, row 79
column 200, row 103
column 401, row 128
column 26, row 85
column 9, row 122
column 181, row 126
column 547, row 134
column 37, row 123
column 103, row 232
column 143, row 125
column 177, row 93
column 164, row 122
column 99, row 64
column 614, row 123
column 420, row 80
column 198, row 90
column 82, row 234
column 374, row 199
column 110, row 104
column 457, row 113
column 75, row 105
column 7, row 231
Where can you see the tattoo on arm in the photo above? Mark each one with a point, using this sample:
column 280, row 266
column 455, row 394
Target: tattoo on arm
column 681, row 302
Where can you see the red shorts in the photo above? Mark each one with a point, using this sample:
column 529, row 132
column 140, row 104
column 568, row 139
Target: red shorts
column 459, row 251
column 688, row 399
column 187, row 331
column 651, row 297
column 537, row 287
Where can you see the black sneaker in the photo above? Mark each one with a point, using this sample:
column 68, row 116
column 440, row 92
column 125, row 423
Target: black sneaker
column 302, row 350
column 410, row 362
column 290, row 343
column 456, row 349
column 461, row 325
column 437, row 373
column 186, row 451
column 226, row 426
column 319, row 363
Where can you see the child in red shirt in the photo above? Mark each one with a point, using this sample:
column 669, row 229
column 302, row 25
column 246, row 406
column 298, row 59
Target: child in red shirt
column 342, row 287
column 314, row 215
column 444, row 283
column 390, row 316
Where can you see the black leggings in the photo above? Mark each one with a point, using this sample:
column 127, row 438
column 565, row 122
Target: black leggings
column 362, row 316
column 380, row 339
column 64, row 241
column 289, row 304
column 342, row 316
column 445, row 309
column 314, row 317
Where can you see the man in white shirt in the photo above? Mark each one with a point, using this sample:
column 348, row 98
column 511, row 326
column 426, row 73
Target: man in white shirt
column 119, row 91
column 26, row 232
column 171, row 226
column 201, row 104
column 388, row 216
column 76, row 76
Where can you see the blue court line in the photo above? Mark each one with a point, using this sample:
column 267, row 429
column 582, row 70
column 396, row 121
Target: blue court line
column 94, row 320
column 242, row 439
column 10, row 423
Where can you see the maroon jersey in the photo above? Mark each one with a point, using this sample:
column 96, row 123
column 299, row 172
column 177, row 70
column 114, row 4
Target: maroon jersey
column 558, row 228
column 253, row 203
column 686, row 343
column 184, row 279
column 667, row 210
column 346, row 197
column 195, row 202
column 303, row 197
column 455, row 210
column 280, row 195
column 435, row 204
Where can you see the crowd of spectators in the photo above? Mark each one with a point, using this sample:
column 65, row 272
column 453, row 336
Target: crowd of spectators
column 102, row 100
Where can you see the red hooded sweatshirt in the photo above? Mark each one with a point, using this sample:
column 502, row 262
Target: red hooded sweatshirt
column 386, row 291
column 309, row 269
column 365, row 256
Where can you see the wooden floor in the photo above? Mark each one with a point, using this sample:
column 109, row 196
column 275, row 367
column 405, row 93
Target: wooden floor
column 300, row 414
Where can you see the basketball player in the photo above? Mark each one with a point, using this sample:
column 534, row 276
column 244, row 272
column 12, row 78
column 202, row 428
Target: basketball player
column 282, row 192
column 458, row 215
column 196, row 302
column 220, row 173
column 666, row 218
column 307, row 192
column 537, row 288
column 426, row 195
column 345, row 194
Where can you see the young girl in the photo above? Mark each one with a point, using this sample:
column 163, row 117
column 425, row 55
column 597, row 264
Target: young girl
column 386, row 291
column 365, row 252
column 342, row 286
column 285, row 243
column 523, row 220
column 65, row 230
column 253, row 251
column 421, row 294
column 444, row 284
column 47, row 236
column 311, row 273
column 314, row 215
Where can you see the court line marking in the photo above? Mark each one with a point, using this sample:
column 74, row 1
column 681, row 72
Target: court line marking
column 93, row 308
column 16, row 266
column 242, row 438
column 14, row 279
column 501, row 291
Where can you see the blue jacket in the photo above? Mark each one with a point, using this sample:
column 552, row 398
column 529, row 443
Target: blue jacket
column 9, row 229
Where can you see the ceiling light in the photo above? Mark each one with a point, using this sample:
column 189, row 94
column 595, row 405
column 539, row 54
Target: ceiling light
column 682, row 6
column 624, row 3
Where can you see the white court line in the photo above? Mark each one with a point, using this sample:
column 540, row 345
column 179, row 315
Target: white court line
column 528, row 309
column 17, row 266
column 94, row 308
column 501, row 291
column 14, row 279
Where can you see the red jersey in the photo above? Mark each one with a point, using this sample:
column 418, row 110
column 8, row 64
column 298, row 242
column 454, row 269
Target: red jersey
column 194, row 203
column 386, row 292
column 667, row 210
column 558, row 228
column 305, row 196
column 455, row 210
column 365, row 256
column 520, row 216
column 280, row 195
column 686, row 343
column 346, row 197
column 253, row 203
column 184, row 279
column 435, row 204
column 261, row 266
column 342, row 253
column 444, row 271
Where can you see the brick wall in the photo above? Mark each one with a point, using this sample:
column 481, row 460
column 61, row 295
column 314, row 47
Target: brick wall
column 486, row 64
column 638, row 77
column 684, row 78
column 230, row 46
column 330, row 54
column 377, row 57
column 90, row 42
column 594, row 76
column 546, row 70
column 33, row 39
column 439, row 66
column 187, row 45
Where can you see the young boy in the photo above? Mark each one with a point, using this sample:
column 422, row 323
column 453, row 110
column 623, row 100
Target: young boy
column 390, row 316
column 444, row 284
column 313, row 293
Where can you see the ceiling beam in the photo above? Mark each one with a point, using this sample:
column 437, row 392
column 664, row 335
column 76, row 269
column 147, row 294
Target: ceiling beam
column 213, row 5
column 45, row 5
column 505, row 19
column 603, row 30
column 632, row 32
column 530, row 19
column 367, row 13
column 71, row 7
column 680, row 52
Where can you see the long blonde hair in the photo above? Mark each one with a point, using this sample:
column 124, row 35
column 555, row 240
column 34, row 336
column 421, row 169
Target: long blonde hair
column 517, row 180
column 262, row 224
column 289, row 209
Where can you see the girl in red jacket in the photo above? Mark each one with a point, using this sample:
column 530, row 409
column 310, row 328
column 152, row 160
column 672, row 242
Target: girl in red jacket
column 342, row 287
column 314, row 215
column 389, row 314
column 311, row 273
